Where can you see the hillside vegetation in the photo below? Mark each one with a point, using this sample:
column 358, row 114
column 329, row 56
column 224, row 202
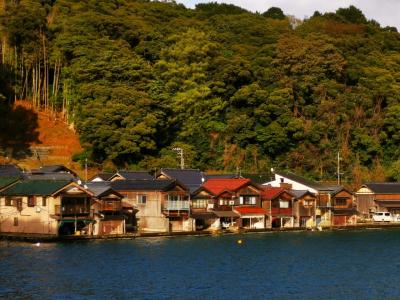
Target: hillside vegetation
column 230, row 87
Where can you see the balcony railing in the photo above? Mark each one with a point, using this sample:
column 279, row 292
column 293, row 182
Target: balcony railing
column 116, row 206
column 176, row 205
column 72, row 210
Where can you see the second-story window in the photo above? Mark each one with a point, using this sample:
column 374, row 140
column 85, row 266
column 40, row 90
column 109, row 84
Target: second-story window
column 174, row 197
column 248, row 200
column 200, row 203
column 142, row 199
column 8, row 201
column 31, row 201
column 341, row 201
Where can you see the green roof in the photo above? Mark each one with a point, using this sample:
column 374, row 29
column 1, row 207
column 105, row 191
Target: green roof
column 35, row 188
column 5, row 181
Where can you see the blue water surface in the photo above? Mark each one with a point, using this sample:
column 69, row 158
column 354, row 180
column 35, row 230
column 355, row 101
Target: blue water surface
column 296, row 265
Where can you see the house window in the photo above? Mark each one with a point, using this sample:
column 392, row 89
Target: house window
column 248, row 200
column 31, row 201
column 283, row 204
column 8, row 201
column 308, row 202
column 174, row 197
column 341, row 201
column 44, row 201
column 282, row 180
column 200, row 203
column 142, row 199
column 16, row 221
column 17, row 202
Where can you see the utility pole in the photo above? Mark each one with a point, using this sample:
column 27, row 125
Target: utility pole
column 179, row 151
column 338, row 167
column 86, row 177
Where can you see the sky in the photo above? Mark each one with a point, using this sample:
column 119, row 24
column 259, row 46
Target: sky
column 386, row 12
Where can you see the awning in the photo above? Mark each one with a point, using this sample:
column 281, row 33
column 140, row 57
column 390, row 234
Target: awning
column 250, row 210
column 226, row 214
column 203, row 216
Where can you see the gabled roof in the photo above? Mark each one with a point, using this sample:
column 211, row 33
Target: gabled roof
column 54, row 169
column 35, row 188
column 312, row 184
column 103, row 176
column 300, row 193
column 383, row 187
column 10, row 170
column 270, row 193
column 145, row 185
column 191, row 178
column 133, row 175
column 218, row 186
column 101, row 189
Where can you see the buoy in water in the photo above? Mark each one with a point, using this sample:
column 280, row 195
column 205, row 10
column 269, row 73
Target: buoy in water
column 37, row 244
column 239, row 241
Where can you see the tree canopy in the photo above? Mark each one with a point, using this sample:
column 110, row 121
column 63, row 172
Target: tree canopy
column 232, row 88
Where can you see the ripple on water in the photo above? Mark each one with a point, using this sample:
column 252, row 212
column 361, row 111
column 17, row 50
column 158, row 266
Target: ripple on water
column 329, row 265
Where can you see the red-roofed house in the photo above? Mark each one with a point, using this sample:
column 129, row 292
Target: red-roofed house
column 228, row 202
column 279, row 204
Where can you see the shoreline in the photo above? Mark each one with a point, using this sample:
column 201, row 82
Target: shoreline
column 36, row 238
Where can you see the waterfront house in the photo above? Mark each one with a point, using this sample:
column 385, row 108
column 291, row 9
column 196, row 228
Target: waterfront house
column 279, row 204
column 343, row 207
column 163, row 205
column 46, row 207
column 378, row 197
column 109, row 214
column 304, row 208
column 235, row 203
column 323, row 192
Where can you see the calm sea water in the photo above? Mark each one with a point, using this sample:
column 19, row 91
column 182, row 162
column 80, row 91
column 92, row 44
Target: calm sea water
column 328, row 265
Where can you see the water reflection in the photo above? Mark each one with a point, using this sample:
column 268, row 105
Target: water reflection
column 284, row 265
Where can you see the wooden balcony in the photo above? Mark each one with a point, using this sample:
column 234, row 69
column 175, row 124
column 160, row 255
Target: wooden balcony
column 282, row 211
column 72, row 210
column 176, row 205
column 111, row 207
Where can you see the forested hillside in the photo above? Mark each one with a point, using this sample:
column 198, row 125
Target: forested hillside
column 230, row 87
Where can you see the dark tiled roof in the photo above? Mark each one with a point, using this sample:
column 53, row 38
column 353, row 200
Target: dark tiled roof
column 103, row 176
column 191, row 178
column 35, row 187
column 6, row 181
column 384, row 187
column 312, row 184
column 101, row 189
column 149, row 185
column 54, row 169
column 135, row 175
column 50, row 176
column 10, row 170
column 220, row 176
column 300, row 193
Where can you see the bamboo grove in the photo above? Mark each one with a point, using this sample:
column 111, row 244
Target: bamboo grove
column 234, row 89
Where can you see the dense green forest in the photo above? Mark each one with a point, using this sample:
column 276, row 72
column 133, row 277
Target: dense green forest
column 231, row 87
